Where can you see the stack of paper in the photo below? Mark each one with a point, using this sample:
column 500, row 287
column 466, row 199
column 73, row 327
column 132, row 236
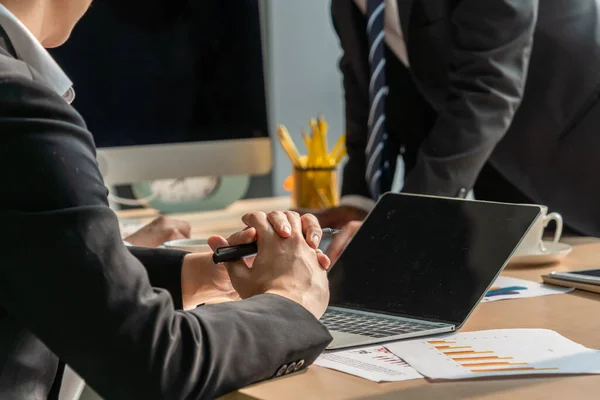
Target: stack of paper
column 373, row 363
column 497, row 353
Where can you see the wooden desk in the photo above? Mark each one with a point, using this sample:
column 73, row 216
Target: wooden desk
column 221, row 222
column 575, row 316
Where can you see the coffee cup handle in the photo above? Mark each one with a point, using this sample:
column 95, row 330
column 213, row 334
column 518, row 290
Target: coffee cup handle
column 559, row 224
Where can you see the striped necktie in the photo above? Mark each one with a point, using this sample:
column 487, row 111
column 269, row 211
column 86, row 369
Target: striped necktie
column 376, row 159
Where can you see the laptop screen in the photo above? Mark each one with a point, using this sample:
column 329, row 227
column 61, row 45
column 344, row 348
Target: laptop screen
column 427, row 257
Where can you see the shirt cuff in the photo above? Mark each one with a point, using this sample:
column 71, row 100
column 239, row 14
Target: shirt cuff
column 361, row 202
column 126, row 243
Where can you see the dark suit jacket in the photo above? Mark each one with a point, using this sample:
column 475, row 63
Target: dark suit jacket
column 71, row 291
column 512, row 82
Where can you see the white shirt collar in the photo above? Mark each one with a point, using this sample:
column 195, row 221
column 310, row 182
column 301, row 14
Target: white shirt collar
column 30, row 51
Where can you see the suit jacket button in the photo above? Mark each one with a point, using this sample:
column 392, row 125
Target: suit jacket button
column 281, row 370
column 299, row 365
column 290, row 368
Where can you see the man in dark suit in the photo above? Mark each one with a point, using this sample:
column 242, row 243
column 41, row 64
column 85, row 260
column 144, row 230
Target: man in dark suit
column 72, row 292
column 499, row 97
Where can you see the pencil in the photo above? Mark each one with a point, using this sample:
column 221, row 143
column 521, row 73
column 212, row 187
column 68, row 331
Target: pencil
column 322, row 125
column 340, row 156
column 340, row 143
column 307, row 139
column 339, row 150
column 289, row 146
column 313, row 151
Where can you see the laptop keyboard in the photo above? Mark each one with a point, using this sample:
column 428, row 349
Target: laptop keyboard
column 367, row 325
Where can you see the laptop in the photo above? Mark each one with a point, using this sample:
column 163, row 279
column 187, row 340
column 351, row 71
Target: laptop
column 419, row 265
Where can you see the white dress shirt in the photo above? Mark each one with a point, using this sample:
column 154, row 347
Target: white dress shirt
column 30, row 51
column 394, row 38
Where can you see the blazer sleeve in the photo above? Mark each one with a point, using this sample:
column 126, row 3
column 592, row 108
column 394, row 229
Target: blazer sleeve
column 356, row 103
column 66, row 275
column 164, row 269
column 491, row 47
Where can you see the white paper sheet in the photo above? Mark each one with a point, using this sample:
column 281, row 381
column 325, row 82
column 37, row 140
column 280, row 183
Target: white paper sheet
column 376, row 364
column 499, row 352
column 520, row 289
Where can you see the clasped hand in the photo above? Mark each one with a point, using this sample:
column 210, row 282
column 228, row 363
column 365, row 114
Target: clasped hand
column 288, row 263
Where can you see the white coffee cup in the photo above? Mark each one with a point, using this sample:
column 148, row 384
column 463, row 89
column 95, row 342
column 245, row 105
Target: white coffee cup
column 533, row 242
column 190, row 245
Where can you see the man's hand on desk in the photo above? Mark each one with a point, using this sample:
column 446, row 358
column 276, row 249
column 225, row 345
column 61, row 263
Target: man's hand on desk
column 287, row 264
column 341, row 240
column 345, row 217
column 161, row 230
column 337, row 217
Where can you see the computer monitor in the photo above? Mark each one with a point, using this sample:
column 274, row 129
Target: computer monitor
column 172, row 89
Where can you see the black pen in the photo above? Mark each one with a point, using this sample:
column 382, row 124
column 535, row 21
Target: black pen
column 237, row 252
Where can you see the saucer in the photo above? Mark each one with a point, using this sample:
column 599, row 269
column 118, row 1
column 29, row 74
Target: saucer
column 555, row 252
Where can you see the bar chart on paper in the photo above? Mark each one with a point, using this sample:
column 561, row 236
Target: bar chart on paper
column 481, row 361
column 497, row 353
column 374, row 363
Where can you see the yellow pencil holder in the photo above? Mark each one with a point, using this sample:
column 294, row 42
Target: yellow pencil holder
column 315, row 188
